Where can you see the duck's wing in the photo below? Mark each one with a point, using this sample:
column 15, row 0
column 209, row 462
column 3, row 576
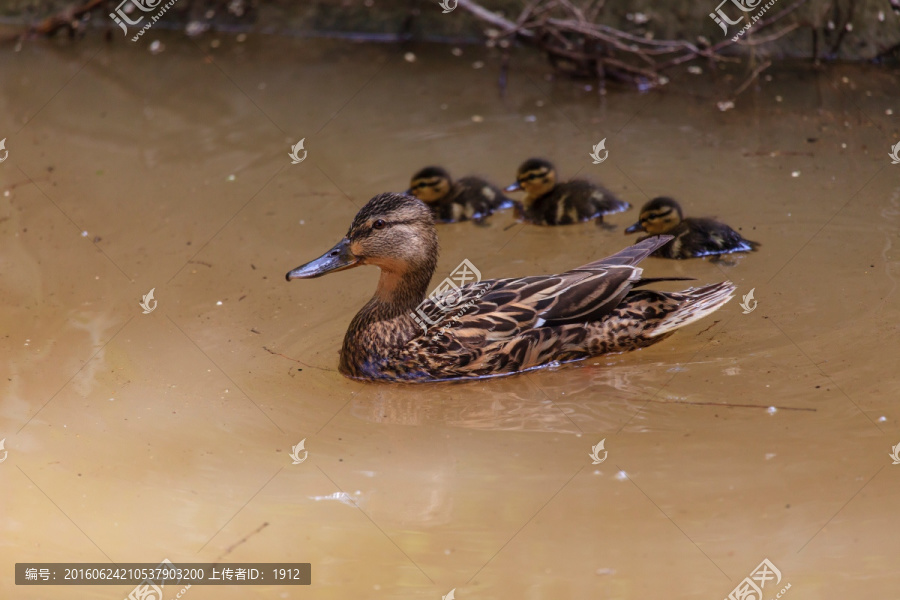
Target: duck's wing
column 506, row 307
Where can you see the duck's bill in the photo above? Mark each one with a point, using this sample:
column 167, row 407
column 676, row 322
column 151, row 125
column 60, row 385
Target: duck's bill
column 336, row 259
column 513, row 188
column 633, row 228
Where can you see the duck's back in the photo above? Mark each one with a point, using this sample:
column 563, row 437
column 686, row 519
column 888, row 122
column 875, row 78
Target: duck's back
column 573, row 202
column 695, row 237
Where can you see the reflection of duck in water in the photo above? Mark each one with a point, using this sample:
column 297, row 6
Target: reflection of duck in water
column 693, row 237
column 451, row 201
column 505, row 325
column 548, row 202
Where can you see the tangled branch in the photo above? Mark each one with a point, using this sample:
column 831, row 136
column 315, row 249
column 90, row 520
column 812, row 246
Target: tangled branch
column 580, row 47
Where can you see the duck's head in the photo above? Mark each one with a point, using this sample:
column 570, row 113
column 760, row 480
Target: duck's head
column 657, row 217
column 392, row 231
column 536, row 176
column 430, row 184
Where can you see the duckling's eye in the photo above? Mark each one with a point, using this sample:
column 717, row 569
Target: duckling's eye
column 379, row 224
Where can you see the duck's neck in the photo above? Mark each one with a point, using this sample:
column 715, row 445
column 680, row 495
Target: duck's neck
column 399, row 292
column 401, row 289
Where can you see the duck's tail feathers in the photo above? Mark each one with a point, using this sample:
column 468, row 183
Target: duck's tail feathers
column 648, row 280
column 631, row 255
column 696, row 304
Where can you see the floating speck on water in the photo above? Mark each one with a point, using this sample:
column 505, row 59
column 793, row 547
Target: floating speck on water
column 588, row 88
column 209, row 14
column 156, row 47
column 888, row 112
column 770, row 455
column 539, row 103
column 531, row 118
column 621, row 475
column 231, row 177
column 195, row 28
column 241, row 37
column 881, row 16
column 725, row 105
column 849, row 27
column 843, row 145
column 795, row 173
column 606, row 571
column 261, row 86
column 445, row 106
column 477, row 64
column 456, row 52
column 409, row 57
column 694, row 70
column 302, row 222
column 771, row 410
column 882, row 419
column 845, row 79
column 215, row 44
column 6, row 194
column 219, row 303
column 778, row 98
column 477, row 118
column 84, row 234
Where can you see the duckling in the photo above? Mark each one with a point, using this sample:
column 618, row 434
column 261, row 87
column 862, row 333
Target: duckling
column 693, row 237
column 487, row 328
column 452, row 201
column 550, row 203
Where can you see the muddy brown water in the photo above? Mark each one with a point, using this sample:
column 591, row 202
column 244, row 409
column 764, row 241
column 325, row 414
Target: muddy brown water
column 135, row 437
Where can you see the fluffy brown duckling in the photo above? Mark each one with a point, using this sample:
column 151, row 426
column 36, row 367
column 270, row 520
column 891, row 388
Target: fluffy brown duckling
column 694, row 237
column 549, row 202
column 468, row 198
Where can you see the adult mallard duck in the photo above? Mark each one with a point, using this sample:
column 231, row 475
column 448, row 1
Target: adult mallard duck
column 549, row 202
column 492, row 327
column 692, row 237
column 452, row 201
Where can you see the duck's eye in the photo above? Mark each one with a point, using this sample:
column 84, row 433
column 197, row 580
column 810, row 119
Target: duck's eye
column 379, row 224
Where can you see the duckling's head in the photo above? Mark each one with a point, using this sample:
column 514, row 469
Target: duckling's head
column 392, row 231
column 430, row 184
column 536, row 176
column 658, row 216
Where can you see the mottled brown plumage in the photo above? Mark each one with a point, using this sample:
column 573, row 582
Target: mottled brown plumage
column 493, row 327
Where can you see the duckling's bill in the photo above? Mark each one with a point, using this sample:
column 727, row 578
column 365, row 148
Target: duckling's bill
column 515, row 187
column 634, row 228
column 337, row 259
